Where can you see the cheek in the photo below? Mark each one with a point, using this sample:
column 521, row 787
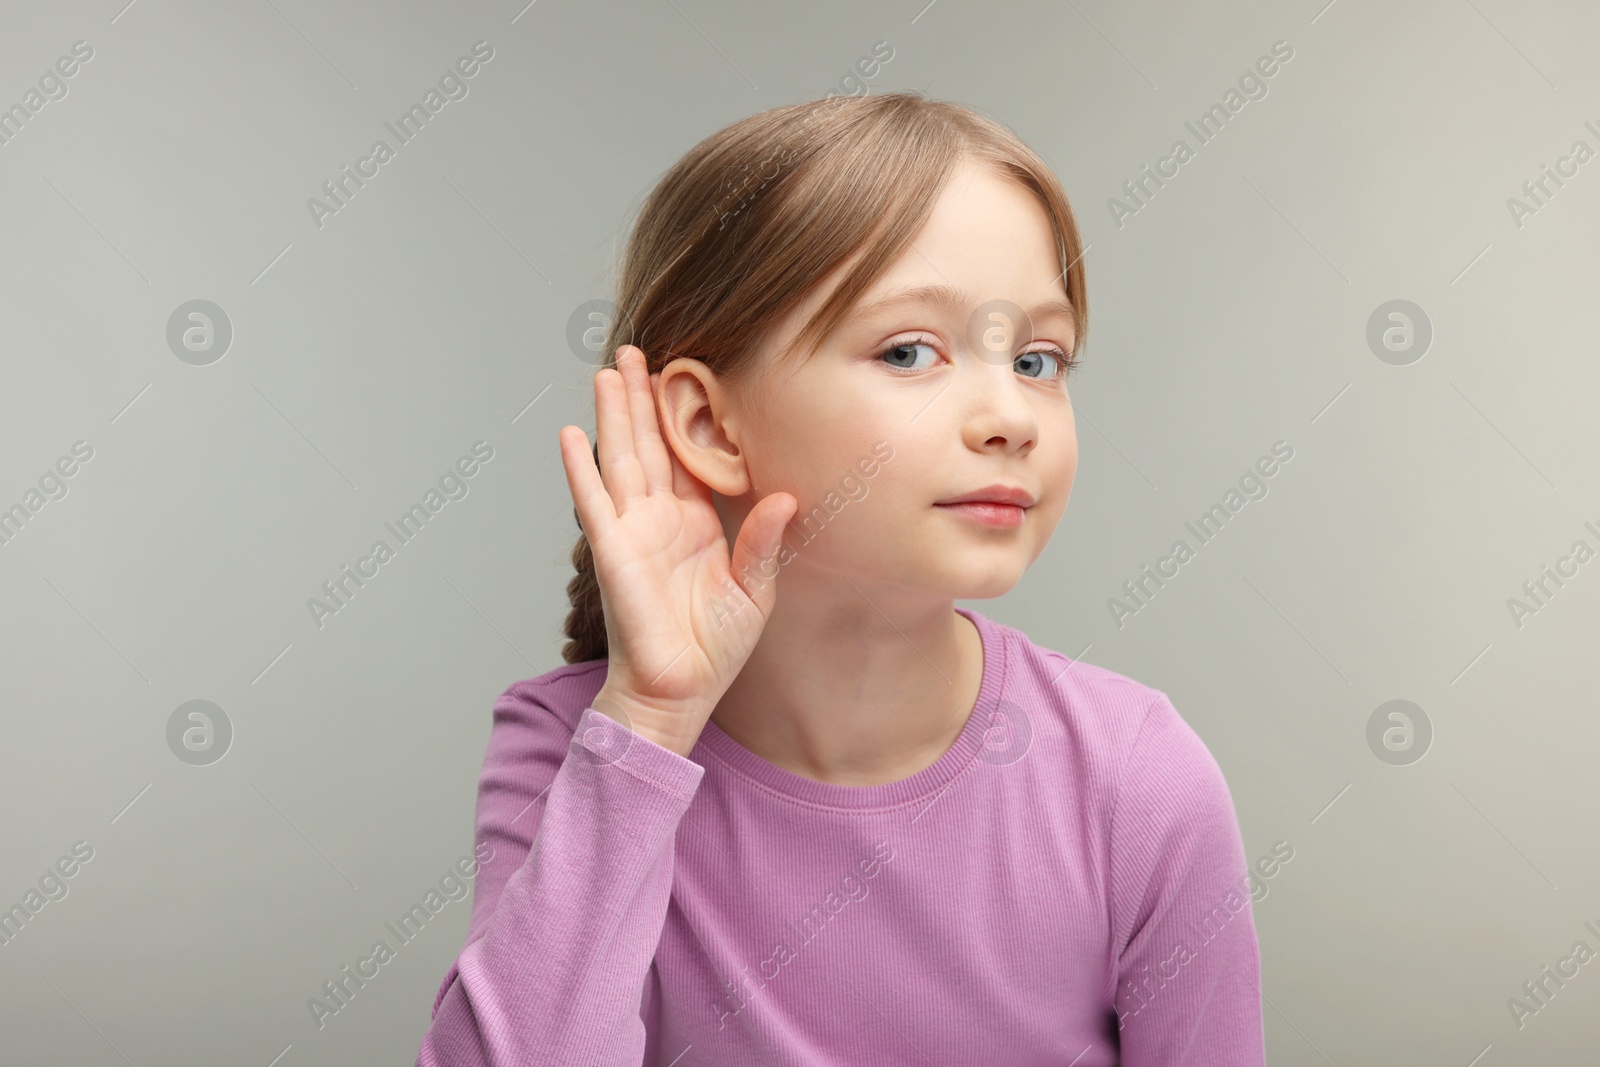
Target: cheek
column 867, row 474
column 813, row 449
column 1065, row 460
column 1058, row 465
column 832, row 432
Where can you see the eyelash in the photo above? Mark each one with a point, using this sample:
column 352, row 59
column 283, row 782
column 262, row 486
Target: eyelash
column 1068, row 363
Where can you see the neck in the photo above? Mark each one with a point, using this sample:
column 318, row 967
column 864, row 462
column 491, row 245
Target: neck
column 855, row 692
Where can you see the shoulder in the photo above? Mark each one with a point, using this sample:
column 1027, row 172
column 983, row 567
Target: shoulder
column 553, row 692
column 535, row 717
column 534, row 720
column 1126, row 736
column 1101, row 710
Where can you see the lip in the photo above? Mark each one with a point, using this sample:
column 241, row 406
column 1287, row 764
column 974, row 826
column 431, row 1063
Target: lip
column 1007, row 516
column 994, row 494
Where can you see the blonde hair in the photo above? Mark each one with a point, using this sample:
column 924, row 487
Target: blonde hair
column 738, row 232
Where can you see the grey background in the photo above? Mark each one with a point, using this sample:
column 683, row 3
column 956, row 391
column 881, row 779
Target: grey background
column 430, row 313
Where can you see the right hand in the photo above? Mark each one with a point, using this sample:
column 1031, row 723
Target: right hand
column 679, row 627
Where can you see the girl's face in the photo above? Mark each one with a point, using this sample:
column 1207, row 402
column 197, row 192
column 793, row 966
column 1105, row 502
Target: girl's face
column 965, row 398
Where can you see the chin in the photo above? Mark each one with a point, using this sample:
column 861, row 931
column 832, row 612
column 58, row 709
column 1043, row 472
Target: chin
column 983, row 587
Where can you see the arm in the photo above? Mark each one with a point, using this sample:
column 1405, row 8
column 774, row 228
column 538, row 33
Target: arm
column 1188, row 966
column 569, row 908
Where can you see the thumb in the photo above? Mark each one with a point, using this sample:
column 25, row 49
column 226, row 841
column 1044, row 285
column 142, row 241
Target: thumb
column 759, row 539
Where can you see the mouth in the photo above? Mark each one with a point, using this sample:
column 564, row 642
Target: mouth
column 987, row 512
column 994, row 494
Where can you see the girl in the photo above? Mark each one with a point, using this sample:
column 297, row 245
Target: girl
column 851, row 824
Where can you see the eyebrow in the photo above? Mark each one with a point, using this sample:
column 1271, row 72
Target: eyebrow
column 949, row 296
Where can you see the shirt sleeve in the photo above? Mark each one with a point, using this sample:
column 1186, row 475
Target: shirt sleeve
column 570, row 903
column 1188, row 965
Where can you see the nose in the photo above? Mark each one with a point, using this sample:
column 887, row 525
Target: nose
column 1001, row 415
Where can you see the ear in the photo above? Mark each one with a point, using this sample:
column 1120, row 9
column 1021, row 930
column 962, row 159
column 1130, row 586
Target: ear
column 702, row 422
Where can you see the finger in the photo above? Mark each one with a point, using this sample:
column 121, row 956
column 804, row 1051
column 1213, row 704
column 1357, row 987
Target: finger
column 755, row 547
column 647, row 442
column 596, row 512
column 619, row 464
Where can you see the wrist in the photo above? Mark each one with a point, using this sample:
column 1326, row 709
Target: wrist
column 671, row 729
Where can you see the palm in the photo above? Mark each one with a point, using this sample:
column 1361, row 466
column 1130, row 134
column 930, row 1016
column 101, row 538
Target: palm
column 664, row 571
column 679, row 626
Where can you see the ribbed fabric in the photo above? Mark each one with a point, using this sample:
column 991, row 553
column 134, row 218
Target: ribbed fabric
column 1066, row 885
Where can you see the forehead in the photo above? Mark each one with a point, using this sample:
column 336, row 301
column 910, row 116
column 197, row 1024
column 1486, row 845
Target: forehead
column 949, row 298
column 987, row 238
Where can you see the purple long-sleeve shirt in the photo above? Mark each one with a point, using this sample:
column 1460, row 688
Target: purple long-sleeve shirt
column 1066, row 885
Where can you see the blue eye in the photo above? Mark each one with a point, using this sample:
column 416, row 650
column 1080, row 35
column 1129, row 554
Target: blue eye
column 1062, row 362
column 905, row 350
column 902, row 357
